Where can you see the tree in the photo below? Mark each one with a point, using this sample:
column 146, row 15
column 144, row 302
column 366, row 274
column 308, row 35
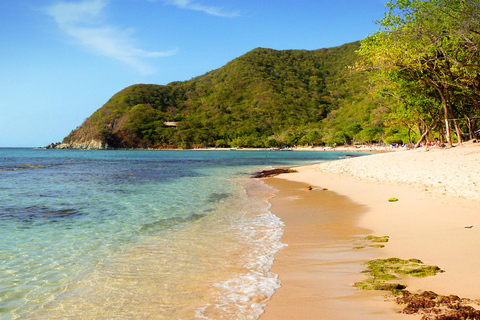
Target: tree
column 429, row 45
column 311, row 138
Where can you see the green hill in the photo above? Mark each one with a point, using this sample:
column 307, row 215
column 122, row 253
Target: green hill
column 265, row 98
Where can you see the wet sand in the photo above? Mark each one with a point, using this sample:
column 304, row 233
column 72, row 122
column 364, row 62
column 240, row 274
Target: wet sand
column 319, row 266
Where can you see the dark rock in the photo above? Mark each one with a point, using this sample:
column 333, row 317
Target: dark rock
column 272, row 172
column 52, row 145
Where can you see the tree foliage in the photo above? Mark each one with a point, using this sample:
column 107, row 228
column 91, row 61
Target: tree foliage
column 265, row 98
column 427, row 56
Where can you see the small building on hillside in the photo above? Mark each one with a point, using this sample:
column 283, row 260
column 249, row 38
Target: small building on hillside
column 170, row 124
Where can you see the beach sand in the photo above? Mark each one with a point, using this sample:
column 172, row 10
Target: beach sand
column 437, row 198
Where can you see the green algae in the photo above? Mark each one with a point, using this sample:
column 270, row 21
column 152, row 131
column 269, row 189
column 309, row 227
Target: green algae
column 382, row 270
column 377, row 239
column 371, row 284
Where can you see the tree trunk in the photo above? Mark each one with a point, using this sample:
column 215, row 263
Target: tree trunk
column 458, row 131
column 447, row 131
column 441, row 135
column 421, row 139
column 445, row 114
column 474, row 128
column 470, row 129
column 424, row 134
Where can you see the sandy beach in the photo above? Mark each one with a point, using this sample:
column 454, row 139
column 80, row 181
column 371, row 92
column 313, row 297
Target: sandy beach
column 436, row 219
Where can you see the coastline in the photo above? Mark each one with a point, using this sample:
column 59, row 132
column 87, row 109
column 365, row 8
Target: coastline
column 437, row 200
column 320, row 263
column 98, row 145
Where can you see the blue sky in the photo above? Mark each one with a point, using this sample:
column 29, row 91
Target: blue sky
column 62, row 60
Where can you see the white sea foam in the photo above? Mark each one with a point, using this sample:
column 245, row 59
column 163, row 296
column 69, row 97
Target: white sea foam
column 245, row 295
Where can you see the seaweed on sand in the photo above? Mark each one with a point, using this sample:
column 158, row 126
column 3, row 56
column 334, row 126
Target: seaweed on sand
column 437, row 307
column 383, row 270
column 376, row 240
column 429, row 304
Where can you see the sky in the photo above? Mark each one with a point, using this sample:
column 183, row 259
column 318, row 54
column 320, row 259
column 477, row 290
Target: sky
column 62, row 60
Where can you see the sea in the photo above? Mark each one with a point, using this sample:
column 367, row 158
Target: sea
column 110, row 234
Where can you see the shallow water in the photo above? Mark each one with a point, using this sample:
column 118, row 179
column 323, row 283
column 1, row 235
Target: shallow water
column 138, row 234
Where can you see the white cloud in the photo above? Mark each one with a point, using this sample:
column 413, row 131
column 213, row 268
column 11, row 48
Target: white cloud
column 215, row 11
column 84, row 21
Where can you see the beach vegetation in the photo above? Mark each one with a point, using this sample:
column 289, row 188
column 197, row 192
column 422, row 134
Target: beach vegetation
column 426, row 58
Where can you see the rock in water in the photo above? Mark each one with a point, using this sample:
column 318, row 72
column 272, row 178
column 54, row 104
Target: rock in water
column 272, row 172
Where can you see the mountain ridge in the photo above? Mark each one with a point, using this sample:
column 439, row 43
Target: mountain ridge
column 264, row 98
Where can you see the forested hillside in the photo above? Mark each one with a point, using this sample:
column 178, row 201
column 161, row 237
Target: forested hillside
column 265, row 98
column 416, row 79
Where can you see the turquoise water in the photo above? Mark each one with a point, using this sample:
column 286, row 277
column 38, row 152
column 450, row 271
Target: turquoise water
column 138, row 234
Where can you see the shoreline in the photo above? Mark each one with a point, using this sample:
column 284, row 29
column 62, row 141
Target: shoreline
column 320, row 263
column 437, row 201
column 345, row 148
